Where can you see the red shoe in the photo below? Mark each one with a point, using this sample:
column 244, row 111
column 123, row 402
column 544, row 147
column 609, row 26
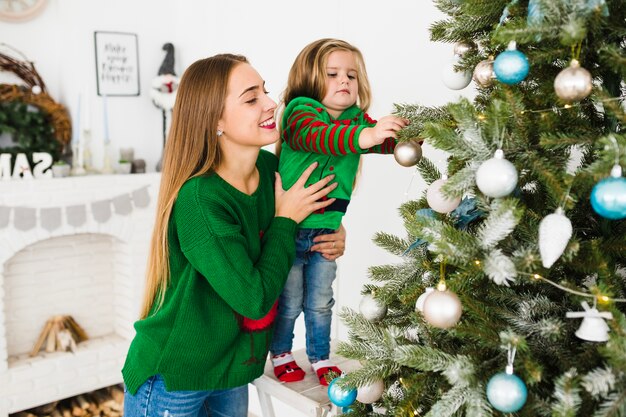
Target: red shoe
column 326, row 371
column 286, row 369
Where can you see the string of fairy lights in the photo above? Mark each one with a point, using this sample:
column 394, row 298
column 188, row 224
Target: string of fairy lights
column 598, row 297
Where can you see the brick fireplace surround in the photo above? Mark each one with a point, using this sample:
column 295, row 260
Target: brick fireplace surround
column 93, row 272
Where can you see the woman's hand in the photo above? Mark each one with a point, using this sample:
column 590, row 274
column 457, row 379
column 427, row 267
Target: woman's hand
column 300, row 201
column 332, row 245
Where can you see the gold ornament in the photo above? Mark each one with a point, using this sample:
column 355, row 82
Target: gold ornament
column 408, row 153
column 442, row 309
column 483, row 73
column 574, row 83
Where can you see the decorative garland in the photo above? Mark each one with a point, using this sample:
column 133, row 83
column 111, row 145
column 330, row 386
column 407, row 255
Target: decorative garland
column 34, row 93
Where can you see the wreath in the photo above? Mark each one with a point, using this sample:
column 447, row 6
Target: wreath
column 28, row 114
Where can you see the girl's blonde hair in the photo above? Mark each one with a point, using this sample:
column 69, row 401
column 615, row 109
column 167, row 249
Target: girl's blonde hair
column 191, row 150
column 307, row 76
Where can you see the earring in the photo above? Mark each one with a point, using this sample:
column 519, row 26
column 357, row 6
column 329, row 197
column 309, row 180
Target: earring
column 219, row 132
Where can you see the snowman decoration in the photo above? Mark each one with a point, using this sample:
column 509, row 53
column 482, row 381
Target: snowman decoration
column 163, row 91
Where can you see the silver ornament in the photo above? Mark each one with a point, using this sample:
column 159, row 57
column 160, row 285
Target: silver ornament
column 408, row 153
column 496, row 177
column 370, row 393
column 453, row 79
column 396, row 392
column 371, row 308
column 442, row 309
column 555, row 231
column 439, row 202
column 574, row 83
column 483, row 73
column 461, row 48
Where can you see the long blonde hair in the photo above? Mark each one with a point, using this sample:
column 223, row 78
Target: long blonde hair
column 307, row 77
column 191, row 150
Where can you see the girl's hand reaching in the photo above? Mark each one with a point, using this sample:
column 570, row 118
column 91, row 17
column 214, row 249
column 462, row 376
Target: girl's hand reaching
column 299, row 201
column 387, row 127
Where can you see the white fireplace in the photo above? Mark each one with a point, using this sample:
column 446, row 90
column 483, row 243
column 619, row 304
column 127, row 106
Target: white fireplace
column 70, row 246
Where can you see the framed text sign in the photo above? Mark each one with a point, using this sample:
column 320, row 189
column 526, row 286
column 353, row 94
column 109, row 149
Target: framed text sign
column 117, row 64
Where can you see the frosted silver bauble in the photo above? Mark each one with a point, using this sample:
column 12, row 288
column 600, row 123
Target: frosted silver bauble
column 437, row 201
column 461, row 48
column 408, row 153
column 483, row 73
column 442, row 309
column 396, row 392
column 574, row 83
column 371, row 308
column 496, row 177
column 453, row 79
column 555, row 231
column 370, row 393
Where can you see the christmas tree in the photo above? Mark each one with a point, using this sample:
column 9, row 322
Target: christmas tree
column 509, row 291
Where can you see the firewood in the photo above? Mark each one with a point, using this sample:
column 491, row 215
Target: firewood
column 81, row 336
column 44, row 409
column 24, row 414
column 83, row 402
column 42, row 337
column 118, row 394
column 51, row 342
column 77, row 410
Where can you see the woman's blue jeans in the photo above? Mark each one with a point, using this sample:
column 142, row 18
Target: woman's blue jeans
column 308, row 289
column 152, row 400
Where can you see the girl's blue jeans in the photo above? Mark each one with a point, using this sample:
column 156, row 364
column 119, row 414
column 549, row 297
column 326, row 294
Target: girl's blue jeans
column 152, row 400
column 309, row 290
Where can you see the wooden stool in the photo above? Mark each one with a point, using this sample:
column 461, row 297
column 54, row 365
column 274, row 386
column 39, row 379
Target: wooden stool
column 307, row 396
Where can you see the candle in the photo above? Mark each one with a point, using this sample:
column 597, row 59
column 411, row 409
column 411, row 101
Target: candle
column 76, row 129
column 105, row 119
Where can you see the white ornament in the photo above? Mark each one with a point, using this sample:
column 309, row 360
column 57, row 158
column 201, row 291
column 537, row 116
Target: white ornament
column 437, row 201
column 442, row 309
column 419, row 304
column 593, row 327
column 371, row 308
column 370, row 393
column 555, row 231
column 36, row 90
column 496, row 177
column 455, row 80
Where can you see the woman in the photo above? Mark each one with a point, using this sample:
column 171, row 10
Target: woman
column 222, row 247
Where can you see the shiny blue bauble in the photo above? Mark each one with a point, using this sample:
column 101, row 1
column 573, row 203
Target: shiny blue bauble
column 511, row 66
column 608, row 198
column 346, row 410
column 506, row 392
column 339, row 396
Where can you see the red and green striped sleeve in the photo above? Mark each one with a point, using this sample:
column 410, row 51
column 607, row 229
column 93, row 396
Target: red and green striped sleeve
column 310, row 129
column 386, row 147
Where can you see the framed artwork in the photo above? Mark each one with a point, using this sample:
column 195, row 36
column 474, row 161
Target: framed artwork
column 117, row 64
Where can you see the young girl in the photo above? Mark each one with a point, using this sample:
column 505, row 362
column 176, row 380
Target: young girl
column 222, row 247
column 324, row 122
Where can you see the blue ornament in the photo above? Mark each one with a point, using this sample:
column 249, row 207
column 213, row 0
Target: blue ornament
column 506, row 392
column 511, row 66
column 346, row 410
column 341, row 397
column 608, row 197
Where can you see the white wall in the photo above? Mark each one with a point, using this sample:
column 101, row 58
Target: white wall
column 403, row 66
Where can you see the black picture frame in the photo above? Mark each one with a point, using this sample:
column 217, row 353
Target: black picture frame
column 117, row 63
